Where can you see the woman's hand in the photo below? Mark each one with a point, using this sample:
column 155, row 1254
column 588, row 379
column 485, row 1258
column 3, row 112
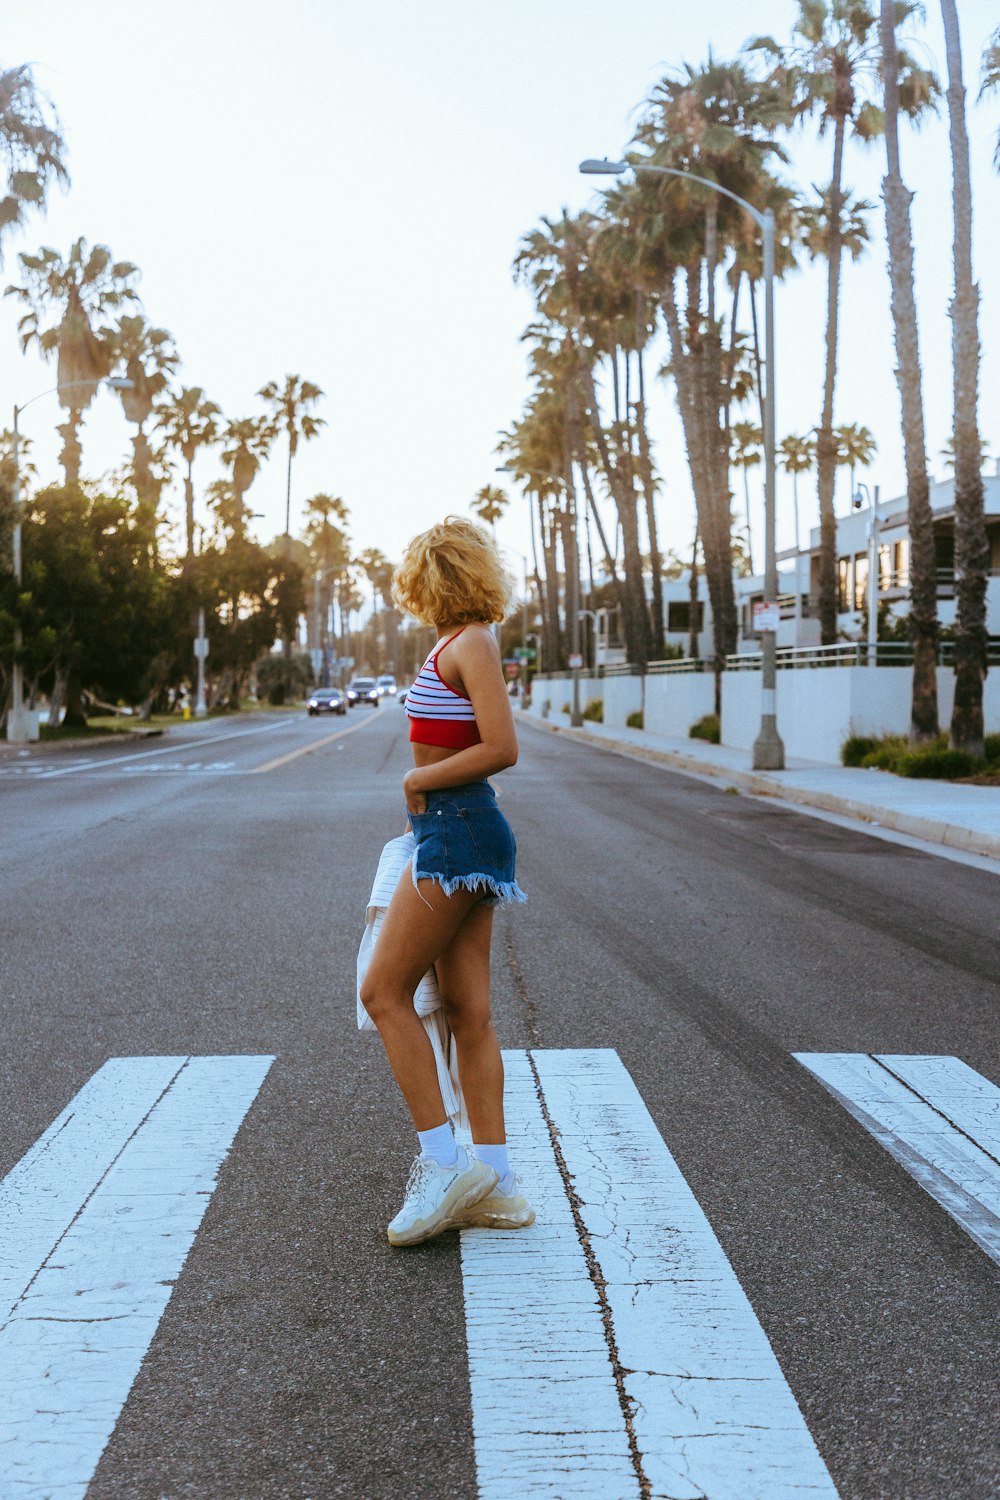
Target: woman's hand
column 416, row 800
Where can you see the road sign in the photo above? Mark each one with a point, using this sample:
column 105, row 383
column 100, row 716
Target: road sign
column 575, row 661
column 766, row 617
column 525, row 653
column 201, row 646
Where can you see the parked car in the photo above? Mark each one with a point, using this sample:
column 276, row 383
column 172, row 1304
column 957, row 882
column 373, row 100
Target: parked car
column 326, row 701
column 386, row 684
column 362, row 690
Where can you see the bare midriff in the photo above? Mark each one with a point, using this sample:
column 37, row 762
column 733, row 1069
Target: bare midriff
column 431, row 755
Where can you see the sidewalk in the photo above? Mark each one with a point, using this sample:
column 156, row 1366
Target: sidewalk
column 941, row 812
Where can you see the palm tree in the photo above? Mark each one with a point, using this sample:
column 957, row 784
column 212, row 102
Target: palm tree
column 717, row 122
column 489, row 504
column 856, row 447
column 77, row 292
column 947, row 453
column 797, row 456
column 923, row 580
column 246, row 444
column 972, row 548
column 189, row 421
column 31, row 147
column 146, row 357
column 832, row 70
column 746, row 455
column 290, row 405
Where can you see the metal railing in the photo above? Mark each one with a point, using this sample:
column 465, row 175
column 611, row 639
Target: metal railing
column 843, row 654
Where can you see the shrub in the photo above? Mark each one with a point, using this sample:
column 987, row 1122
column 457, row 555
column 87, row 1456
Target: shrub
column 565, row 709
column 937, row 761
column 595, row 711
column 635, row 721
column 886, row 752
column 707, row 728
column 992, row 743
column 855, row 748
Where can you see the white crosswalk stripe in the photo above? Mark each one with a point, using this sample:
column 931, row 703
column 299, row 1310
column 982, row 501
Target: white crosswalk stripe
column 940, row 1120
column 710, row 1412
column 612, row 1350
column 96, row 1222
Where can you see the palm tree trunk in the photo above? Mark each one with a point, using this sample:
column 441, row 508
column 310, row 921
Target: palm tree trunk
column 923, row 580
column 189, row 510
column 826, row 442
column 693, row 600
column 713, row 519
column 71, row 452
column 635, row 615
column 972, row 551
column 646, row 470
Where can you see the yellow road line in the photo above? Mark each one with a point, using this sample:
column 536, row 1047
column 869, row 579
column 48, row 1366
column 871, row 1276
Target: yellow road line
column 282, row 760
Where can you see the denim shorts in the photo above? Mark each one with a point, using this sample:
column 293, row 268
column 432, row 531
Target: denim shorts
column 463, row 841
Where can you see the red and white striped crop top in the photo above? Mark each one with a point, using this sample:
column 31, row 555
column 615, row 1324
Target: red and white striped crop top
column 438, row 714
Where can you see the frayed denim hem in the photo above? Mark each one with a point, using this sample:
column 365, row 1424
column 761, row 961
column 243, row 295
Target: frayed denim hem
column 501, row 893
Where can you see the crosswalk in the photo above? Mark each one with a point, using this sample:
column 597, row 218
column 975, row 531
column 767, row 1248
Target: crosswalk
column 612, row 1350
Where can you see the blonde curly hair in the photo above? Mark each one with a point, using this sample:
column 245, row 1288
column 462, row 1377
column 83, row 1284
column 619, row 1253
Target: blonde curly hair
column 453, row 574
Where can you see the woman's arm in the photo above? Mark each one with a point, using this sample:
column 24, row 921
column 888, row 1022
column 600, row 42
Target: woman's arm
column 475, row 660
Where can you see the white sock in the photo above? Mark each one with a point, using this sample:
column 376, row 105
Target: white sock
column 439, row 1144
column 496, row 1157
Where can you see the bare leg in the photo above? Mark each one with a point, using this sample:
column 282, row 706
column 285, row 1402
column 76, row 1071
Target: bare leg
column 417, row 928
column 463, row 974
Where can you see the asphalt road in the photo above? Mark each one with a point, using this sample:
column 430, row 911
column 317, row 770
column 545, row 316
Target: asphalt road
column 204, row 894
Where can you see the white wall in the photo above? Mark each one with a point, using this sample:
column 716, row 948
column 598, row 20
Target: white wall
column 622, row 696
column 559, row 690
column 818, row 708
column 676, row 700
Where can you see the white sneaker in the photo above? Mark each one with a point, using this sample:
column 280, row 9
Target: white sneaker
column 435, row 1195
column 498, row 1211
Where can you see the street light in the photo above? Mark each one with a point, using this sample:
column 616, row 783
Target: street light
column 17, row 720
column 857, row 501
column 768, row 750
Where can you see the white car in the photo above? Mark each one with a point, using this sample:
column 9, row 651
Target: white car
column 386, row 684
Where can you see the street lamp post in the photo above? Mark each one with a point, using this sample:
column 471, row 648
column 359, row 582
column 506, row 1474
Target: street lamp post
column 872, row 633
column 17, row 718
column 768, row 750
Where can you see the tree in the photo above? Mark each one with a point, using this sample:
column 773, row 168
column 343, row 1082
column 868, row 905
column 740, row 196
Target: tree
column 189, row 421
column 246, row 444
column 31, row 148
column 747, row 439
column 797, row 456
column 145, row 356
column 76, row 293
column 571, row 295
column 92, row 608
column 717, row 122
column 289, row 404
column 856, row 447
column 972, row 549
column 489, row 504
column 832, row 71
column 923, row 579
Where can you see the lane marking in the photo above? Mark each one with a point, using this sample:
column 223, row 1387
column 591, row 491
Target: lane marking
column 96, row 1221
column 937, row 1117
column 194, row 743
column 545, row 1413
column 283, row 760
column 711, row 1411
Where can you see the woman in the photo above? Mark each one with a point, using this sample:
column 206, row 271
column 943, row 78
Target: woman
column 441, row 914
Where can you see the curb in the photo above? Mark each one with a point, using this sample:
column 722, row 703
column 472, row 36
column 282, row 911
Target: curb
column 9, row 751
column 932, row 830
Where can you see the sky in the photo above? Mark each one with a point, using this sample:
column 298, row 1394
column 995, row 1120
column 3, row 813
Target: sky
column 337, row 190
